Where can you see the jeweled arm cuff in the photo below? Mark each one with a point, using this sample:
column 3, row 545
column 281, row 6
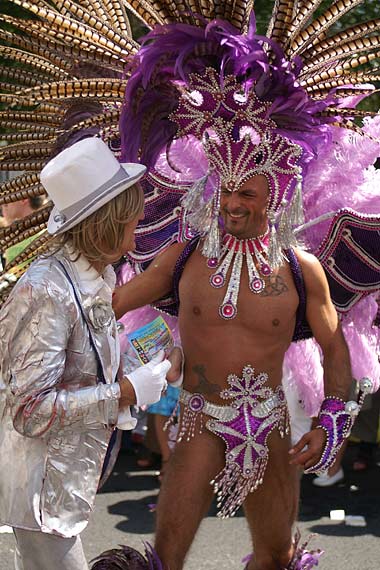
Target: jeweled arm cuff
column 336, row 418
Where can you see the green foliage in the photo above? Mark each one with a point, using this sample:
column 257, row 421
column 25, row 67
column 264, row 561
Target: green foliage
column 367, row 10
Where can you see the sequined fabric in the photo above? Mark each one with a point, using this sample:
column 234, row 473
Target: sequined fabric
column 302, row 329
column 260, row 410
column 336, row 420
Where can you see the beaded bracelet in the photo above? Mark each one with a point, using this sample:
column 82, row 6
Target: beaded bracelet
column 336, row 418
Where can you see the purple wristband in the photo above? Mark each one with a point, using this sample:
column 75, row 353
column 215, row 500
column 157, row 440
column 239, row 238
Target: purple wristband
column 336, row 418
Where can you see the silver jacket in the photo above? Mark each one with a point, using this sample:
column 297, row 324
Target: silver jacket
column 56, row 417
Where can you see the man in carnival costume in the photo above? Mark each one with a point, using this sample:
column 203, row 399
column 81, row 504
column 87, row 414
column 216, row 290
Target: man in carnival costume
column 228, row 123
column 244, row 289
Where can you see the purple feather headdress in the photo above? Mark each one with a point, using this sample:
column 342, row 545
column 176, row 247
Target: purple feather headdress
column 171, row 53
column 240, row 97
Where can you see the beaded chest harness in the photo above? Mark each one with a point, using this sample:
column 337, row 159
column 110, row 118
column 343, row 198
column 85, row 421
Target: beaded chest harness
column 234, row 251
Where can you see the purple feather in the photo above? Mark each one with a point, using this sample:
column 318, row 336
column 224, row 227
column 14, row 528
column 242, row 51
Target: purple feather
column 303, row 559
column 152, row 557
column 170, row 53
column 127, row 558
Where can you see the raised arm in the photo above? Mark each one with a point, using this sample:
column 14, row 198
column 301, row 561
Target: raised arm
column 156, row 282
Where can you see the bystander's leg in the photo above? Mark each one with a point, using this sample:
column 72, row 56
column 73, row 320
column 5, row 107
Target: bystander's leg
column 42, row 551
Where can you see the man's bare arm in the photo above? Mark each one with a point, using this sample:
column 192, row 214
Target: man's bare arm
column 323, row 320
column 156, row 282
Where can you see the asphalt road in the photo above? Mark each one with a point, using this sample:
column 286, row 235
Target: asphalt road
column 122, row 516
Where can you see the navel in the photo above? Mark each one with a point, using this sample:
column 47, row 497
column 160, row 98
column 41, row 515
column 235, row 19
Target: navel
column 275, row 322
column 196, row 311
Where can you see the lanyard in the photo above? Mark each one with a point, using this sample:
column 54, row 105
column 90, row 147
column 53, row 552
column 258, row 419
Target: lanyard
column 92, row 342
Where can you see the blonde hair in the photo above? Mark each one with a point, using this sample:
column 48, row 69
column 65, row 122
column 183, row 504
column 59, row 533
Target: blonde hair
column 98, row 236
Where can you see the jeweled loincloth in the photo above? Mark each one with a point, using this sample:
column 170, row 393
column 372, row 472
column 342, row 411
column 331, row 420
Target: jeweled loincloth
column 255, row 411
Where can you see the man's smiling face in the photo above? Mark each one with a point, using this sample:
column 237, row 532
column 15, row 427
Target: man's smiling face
column 244, row 211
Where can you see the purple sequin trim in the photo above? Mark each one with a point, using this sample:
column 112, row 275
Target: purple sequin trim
column 179, row 267
column 301, row 329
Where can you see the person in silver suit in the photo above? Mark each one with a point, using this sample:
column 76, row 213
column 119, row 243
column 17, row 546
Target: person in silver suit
column 62, row 387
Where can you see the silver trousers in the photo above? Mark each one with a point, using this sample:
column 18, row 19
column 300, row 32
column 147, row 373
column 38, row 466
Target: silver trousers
column 41, row 551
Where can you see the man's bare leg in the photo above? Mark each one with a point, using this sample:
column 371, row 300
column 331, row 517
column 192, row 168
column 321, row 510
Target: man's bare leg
column 272, row 509
column 162, row 436
column 186, row 495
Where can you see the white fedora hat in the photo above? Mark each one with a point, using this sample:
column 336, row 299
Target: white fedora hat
column 81, row 179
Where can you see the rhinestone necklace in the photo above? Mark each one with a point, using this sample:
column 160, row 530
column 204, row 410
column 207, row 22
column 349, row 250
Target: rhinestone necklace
column 234, row 251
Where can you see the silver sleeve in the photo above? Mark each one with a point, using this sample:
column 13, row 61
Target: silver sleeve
column 36, row 356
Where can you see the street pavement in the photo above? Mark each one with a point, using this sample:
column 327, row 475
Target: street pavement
column 123, row 516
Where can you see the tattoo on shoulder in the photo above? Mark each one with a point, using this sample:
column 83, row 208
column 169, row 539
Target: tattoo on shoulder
column 274, row 287
column 204, row 386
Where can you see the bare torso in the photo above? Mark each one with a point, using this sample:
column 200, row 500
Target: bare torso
column 259, row 335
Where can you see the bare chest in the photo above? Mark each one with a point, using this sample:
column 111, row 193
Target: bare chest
column 269, row 312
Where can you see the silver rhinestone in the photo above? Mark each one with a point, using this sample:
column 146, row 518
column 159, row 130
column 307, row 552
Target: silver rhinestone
column 352, row 408
column 60, row 218
column 365, row 385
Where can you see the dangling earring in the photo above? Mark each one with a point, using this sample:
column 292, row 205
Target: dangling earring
column 285, row 229
column 200, row 213
column 275, row 256
column 193, row 199
column 211, row 244
column 296, row 213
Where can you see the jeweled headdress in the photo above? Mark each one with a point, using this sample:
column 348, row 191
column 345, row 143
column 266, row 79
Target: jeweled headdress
column 239, row 141
column 64, row 76
column 241, row 97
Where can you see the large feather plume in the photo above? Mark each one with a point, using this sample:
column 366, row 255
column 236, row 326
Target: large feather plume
column 170, row 53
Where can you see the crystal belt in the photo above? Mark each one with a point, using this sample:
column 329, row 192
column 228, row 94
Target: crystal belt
column 198, row 404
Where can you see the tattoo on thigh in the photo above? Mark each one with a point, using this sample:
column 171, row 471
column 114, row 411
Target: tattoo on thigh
column 204, row 386
column 274, row 287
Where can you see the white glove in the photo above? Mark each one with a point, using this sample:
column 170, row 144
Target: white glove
column 149, row 380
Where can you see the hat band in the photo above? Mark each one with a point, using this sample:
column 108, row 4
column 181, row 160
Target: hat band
column 76, row 210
